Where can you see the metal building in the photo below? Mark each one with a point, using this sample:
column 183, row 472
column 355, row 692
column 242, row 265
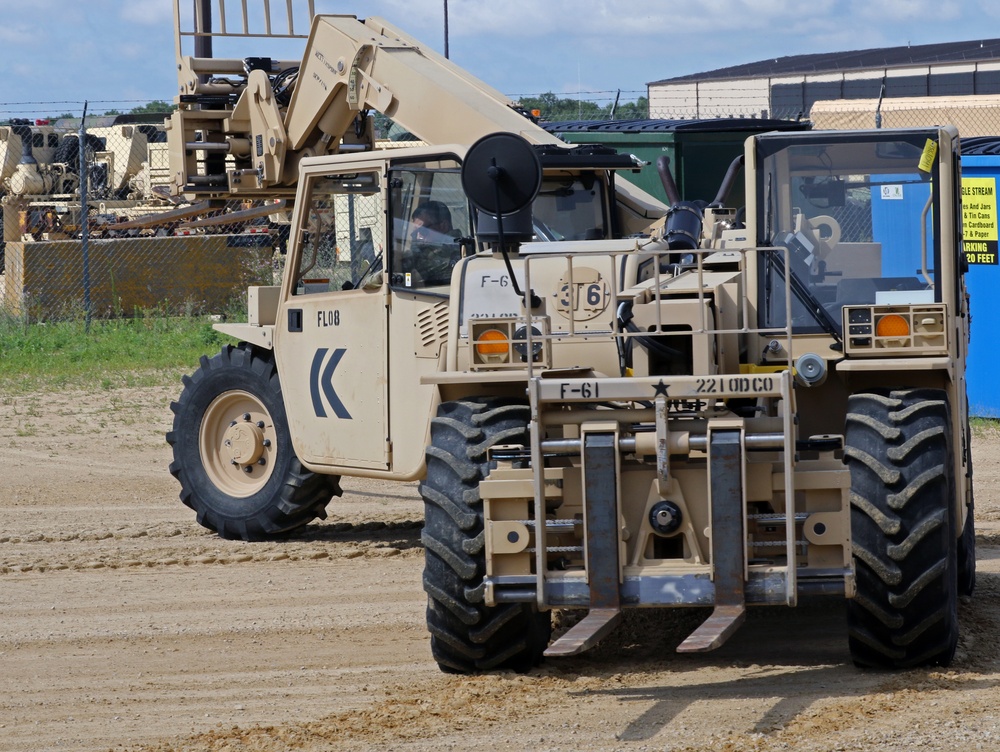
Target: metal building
column 787, row 87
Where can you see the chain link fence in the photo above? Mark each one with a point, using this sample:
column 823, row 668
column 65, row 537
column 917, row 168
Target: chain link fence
column 90, row 228
column 970, row 100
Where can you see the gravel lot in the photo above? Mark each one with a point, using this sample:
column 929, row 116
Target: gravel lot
column 128, row 627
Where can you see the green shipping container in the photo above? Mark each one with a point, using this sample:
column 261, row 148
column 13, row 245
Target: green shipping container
column 700, row 151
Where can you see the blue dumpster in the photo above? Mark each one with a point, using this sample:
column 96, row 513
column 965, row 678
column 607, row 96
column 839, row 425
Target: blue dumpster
column 981, row 159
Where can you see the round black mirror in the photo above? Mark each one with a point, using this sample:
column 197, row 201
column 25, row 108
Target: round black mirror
column 501, row 174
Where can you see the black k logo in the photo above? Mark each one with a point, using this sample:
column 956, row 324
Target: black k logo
column 324, row 381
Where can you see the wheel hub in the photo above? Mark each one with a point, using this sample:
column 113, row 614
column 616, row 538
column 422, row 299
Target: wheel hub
column 237, row 443
column 244, row 443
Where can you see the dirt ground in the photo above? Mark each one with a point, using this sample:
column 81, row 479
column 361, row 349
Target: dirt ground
column 126, row 626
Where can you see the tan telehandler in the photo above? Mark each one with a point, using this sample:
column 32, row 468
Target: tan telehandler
column 738, row 406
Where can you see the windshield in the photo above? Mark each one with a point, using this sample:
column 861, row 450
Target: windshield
column 570, row 208
column 858, row 214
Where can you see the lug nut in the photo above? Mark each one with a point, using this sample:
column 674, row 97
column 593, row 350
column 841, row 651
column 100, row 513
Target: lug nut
column 261, row 461
column 248, row 469
column 232, row 424
column 267, row 442
column 260, row 424
column 246, row 417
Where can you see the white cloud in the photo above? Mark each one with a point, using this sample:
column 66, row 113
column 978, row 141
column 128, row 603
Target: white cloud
column 147, row 12
column 989, row 8
column 16, row 35
column 890, row 13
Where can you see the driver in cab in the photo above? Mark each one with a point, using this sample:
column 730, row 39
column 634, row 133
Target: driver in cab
column 434, row 248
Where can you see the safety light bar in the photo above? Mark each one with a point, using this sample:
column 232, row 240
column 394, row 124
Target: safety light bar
column 877, row 330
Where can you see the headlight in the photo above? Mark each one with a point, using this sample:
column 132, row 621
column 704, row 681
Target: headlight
column 521, row 343
column 502, row 343
column 896, row 330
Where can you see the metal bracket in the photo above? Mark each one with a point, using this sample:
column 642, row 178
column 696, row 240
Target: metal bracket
column 662, row 447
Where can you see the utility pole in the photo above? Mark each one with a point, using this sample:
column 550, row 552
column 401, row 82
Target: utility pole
column 446, row 28
column 203, row 28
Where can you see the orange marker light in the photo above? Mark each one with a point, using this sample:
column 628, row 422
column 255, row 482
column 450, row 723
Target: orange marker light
column 892, row 325
column 492, row 342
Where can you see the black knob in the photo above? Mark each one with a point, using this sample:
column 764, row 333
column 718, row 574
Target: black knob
column 665, row 517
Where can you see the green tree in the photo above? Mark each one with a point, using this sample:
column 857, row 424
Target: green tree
column 155, row 107
column 637, row 110
column 554, row 108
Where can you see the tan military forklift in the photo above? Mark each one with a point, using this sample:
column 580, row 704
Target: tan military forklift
column 740, row 406
column 747, row 408
column 744, row 407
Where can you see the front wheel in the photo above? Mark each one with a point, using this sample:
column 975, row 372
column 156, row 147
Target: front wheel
column 466, row 634
column 898, row 448
column 233, row 453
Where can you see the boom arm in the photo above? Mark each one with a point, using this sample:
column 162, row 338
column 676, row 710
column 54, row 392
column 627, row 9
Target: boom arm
column 349, row 67
column 243, row 126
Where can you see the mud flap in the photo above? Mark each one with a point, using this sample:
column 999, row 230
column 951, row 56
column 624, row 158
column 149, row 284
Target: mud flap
column 725, row 463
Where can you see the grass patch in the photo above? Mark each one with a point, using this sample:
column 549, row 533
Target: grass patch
column 985, row 426
column 149, row 349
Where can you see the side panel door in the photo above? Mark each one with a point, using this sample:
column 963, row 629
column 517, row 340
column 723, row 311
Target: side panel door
column 331, row 334
column 430, row 217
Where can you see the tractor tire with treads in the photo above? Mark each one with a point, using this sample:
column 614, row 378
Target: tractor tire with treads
column 233, row 453
column 898, row 448
column 467, row 635
column 967, row 541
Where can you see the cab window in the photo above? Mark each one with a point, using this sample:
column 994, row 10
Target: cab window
column 857, row 218
column 343, row 228
column 430, row 217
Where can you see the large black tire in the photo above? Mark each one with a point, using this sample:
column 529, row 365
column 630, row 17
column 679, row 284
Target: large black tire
column 466, row 635
column 233, row 453
column 898, row 448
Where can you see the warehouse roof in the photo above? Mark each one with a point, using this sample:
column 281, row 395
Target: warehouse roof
column 835, row 62
column 657, row 126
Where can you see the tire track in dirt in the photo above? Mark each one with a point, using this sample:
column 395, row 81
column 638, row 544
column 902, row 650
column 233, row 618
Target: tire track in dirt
column 165, row 545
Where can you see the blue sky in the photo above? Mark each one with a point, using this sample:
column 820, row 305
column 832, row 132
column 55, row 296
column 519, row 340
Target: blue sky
column 118, row 53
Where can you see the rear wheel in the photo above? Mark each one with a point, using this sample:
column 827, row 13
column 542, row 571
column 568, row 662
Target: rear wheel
column 466, row 634
column 905, row 611
column 233, row 453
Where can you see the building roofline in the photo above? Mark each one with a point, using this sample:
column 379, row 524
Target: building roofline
column 971, row 51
